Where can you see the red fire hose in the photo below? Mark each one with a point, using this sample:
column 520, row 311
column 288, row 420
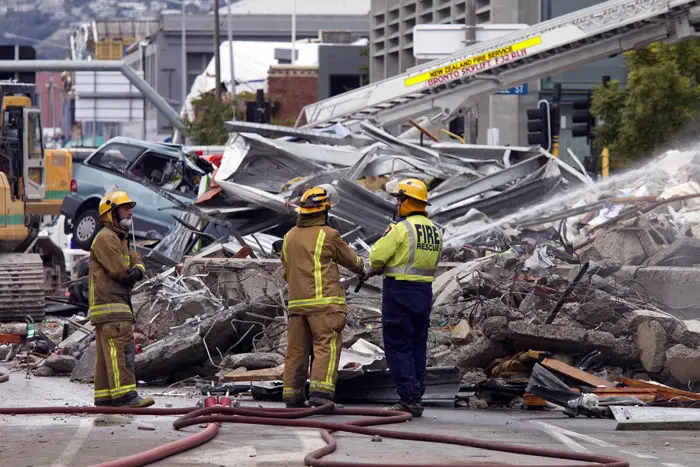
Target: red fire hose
column 215, row 413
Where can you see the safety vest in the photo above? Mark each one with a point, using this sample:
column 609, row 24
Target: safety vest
column 409, row 250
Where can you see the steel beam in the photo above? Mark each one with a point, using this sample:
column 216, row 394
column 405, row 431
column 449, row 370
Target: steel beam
column 99, row 65
column 487, row 183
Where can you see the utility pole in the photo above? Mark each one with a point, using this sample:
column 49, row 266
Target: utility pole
column 294, row 31
column 230, row 57
column 470, row 114
column 217, row 58
column 183, row 57
column 51, row 111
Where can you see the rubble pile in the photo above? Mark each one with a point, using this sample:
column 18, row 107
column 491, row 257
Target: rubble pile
column 550, row 284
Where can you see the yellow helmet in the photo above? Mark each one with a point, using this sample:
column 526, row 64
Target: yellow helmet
column 317, row 199
column 409, row 187
column 113, row 200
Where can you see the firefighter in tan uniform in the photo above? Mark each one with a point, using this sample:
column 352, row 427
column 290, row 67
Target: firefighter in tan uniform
column 114, row 270
column 311, row 253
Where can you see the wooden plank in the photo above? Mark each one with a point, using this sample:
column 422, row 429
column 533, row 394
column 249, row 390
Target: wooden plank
column 268, row 374
column 656, row 418
column 575, row 373
column 666, row 392
column 531, row 401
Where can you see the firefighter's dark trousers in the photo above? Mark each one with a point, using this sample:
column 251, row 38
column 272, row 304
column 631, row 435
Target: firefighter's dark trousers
column 406, row 310
column 319, row 331
column 114, row 365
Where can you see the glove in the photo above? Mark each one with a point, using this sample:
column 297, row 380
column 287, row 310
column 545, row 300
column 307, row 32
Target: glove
column 133, row 275
column 362, row 275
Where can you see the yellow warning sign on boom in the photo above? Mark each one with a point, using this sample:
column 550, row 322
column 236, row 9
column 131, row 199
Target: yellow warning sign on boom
column 464, row 66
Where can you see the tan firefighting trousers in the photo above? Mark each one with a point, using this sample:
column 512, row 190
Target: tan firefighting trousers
column 114, row 365
column 320, row 332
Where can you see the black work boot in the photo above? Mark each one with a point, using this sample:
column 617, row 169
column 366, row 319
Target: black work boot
column 295, row 404
column 414, row 408
column 318, row 401
column 104, row 403
column 136, row 401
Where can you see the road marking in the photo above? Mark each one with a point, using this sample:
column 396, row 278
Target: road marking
column 556, row 433
column 674, row 465
column 75, row 444
column 639, row 455
column 309, row 440
column 573, row 434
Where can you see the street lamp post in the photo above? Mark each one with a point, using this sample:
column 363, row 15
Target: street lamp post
column 294, row 31
column 230, row 57
column 183, row 58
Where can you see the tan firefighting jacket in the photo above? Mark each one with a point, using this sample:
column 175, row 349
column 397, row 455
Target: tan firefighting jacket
column 311, row 253
column 110, row 257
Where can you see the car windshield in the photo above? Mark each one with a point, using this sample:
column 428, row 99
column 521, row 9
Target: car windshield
column 116, row 156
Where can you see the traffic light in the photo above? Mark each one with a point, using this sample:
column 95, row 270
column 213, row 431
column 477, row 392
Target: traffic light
column 582, row 120
column 539, row 129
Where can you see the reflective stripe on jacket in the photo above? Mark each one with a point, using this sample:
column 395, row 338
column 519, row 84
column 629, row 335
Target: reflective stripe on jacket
column 409, row 250
column 110, row 259
column 310, row 256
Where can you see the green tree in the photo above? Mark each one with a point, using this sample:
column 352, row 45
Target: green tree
column 662, row 97
column 208, row 129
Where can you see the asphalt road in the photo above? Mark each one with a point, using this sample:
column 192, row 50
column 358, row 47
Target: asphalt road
column 85, row 440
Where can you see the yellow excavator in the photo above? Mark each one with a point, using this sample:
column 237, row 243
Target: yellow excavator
column 33, row 182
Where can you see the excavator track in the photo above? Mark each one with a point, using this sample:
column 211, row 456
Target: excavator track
column 21, row 287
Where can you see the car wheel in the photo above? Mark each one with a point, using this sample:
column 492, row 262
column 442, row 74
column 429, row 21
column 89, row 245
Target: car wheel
column 85, row 227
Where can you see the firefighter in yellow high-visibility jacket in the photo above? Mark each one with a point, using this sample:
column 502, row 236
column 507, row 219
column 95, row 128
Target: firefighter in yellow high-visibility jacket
column 407, row 255
column 114, row 270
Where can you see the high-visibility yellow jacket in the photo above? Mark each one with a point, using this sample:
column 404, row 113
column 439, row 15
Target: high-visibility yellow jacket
column 409, row 250
column 110, row 258
column 311, row 253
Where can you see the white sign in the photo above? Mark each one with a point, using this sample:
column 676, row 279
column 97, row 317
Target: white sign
column 440, row 40
column 107, row 96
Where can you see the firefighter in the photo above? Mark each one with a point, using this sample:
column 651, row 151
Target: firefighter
column 311, row 253
column 407, row 254
column 114, row 270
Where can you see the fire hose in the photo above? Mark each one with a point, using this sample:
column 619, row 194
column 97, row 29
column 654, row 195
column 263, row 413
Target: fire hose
column 219, row 410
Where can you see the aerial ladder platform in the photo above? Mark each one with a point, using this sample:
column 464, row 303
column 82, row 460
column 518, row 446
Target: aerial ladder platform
column 442, row 88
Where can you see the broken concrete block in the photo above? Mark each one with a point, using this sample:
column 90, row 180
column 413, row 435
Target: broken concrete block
column 594, row 312
column 550, row 337
column 44, row 371
column 651, row 339
column 683, row 363
column 625, row 351
column 461, row 333
column 61, row 363
column 84, row 370
column 472, row 378
column 495, row 307
column 480, row 353
column 600, row 340
column 637, row 317
column 253, row 361
column 442, row 356
column 687, row 333
column 495, row 328
column 478, row 403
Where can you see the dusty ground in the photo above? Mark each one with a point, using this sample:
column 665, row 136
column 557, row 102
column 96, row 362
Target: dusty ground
column 86, row 440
